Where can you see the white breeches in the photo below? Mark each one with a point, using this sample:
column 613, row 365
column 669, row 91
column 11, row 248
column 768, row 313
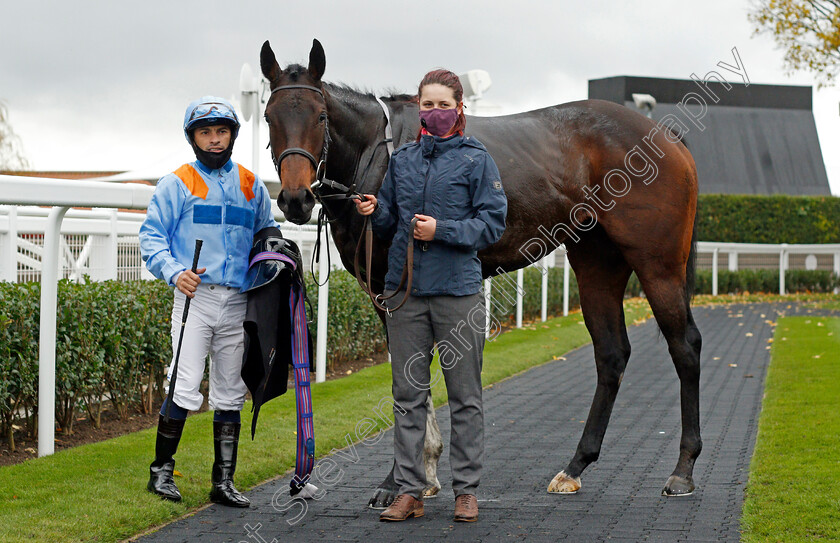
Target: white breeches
column 214, row 327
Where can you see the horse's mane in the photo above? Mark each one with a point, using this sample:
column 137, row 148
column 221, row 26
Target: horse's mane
column 350, row 94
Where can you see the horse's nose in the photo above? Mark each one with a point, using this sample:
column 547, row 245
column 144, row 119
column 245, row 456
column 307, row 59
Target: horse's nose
column 296, row 204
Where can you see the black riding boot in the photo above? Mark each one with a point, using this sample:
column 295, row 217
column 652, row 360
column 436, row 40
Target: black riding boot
column 161, row 481
column 226, row 443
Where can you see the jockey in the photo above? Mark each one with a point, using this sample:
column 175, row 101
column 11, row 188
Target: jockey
column 220, row 202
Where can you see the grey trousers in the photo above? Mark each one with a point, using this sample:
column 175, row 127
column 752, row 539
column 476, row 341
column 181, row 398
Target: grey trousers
column 456, row 325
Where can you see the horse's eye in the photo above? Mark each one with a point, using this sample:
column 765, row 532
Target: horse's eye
column 322, row 117
column 267, row 120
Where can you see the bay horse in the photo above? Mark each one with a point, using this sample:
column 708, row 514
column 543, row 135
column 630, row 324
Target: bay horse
column 618, row 189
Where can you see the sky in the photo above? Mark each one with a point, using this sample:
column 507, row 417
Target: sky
column 95, row 85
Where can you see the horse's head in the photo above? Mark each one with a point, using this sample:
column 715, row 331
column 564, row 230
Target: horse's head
column 297, row 123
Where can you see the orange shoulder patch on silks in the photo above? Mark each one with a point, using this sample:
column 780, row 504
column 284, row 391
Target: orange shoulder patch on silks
column 192, row 179
column 246, row 182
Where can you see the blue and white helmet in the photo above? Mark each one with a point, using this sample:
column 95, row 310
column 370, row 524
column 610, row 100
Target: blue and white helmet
column 210, row 110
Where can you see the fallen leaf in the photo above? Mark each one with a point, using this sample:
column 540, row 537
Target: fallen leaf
column 749, row 334
column 716, row 358
column 177, row 473
column 770, row 340
column 733, row 365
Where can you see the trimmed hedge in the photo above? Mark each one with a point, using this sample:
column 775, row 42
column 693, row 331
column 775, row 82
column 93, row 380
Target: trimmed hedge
column 768, row 219
column 353, row 327
column 113, row 345
column 766, row 281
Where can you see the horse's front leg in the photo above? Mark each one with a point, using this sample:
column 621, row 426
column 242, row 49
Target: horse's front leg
column 432, row 449
column 385, row 493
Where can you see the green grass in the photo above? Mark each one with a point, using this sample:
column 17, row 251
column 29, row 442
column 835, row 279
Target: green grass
column 97, row 492
column 793, row 492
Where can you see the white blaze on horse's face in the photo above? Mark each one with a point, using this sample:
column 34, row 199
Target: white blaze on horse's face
column 435, row 95
column 212, row 139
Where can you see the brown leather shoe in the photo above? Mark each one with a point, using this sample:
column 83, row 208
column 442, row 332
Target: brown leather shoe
column 404, row 506
column 466, row 508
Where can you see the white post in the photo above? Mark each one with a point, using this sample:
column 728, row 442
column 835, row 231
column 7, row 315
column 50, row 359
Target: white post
column 715, row 271
column 733, row 261
column 782, row 267
column 111, row 257
column 544, row 290
column 837, row 270
column 10, row 271
column 487, row 286
column 566, row 267
column 46, row 354
column 520, row 280
column 323, row 313
column 255, row 131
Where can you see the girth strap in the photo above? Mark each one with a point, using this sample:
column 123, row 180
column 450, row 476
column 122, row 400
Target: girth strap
column 300, row 361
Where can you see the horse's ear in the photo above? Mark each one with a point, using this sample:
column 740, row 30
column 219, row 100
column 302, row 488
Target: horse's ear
column 268, row 63
column 317, row 60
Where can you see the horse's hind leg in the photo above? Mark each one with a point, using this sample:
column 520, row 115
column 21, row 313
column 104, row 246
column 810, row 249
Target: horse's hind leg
column 666, row 294
column 432, row 449
column 602, row 277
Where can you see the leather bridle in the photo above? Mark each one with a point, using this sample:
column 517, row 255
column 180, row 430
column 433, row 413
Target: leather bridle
column 346, row 193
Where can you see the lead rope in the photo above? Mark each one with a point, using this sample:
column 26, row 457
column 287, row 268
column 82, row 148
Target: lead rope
column 406, row 279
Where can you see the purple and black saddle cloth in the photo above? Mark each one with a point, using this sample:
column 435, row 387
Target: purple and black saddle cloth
column 276, row 336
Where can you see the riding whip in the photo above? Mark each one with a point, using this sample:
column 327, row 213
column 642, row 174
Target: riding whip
column 169, row 400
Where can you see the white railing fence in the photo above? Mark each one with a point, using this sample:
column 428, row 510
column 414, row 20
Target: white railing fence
column 782, row 257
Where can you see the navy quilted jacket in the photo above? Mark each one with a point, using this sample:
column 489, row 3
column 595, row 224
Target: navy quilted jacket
column 455, row 181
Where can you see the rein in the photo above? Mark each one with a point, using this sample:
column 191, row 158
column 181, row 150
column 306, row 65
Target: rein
column 348, row 193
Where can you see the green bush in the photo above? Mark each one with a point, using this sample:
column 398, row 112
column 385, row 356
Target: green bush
column 353, row 326
column 768, row 219
column 503, row 294
column 766, row 281
column 19, row 328
column 112, row 343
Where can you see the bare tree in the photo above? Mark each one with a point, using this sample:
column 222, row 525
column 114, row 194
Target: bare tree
column 11, row 154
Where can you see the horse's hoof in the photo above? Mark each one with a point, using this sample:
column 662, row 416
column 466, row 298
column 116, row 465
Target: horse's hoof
column 382, row 499
column 431, row 492
column 563, row 484
column 678, row 486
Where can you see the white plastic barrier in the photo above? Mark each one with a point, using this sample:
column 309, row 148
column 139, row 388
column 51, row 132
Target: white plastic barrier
column 62, row 194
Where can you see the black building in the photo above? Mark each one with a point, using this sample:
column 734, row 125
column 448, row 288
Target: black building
column 755, row 139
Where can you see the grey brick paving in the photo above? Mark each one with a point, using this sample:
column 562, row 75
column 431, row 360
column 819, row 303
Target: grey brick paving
column 533, row 423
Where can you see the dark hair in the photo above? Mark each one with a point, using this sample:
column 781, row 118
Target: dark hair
column 447, row 79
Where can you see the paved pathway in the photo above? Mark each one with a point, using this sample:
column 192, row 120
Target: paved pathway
column 533, row 424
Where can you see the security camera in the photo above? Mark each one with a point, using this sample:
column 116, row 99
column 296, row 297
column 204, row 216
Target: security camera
column 645, row 102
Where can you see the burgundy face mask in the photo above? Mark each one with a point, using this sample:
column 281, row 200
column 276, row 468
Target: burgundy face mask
column 438, row 121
